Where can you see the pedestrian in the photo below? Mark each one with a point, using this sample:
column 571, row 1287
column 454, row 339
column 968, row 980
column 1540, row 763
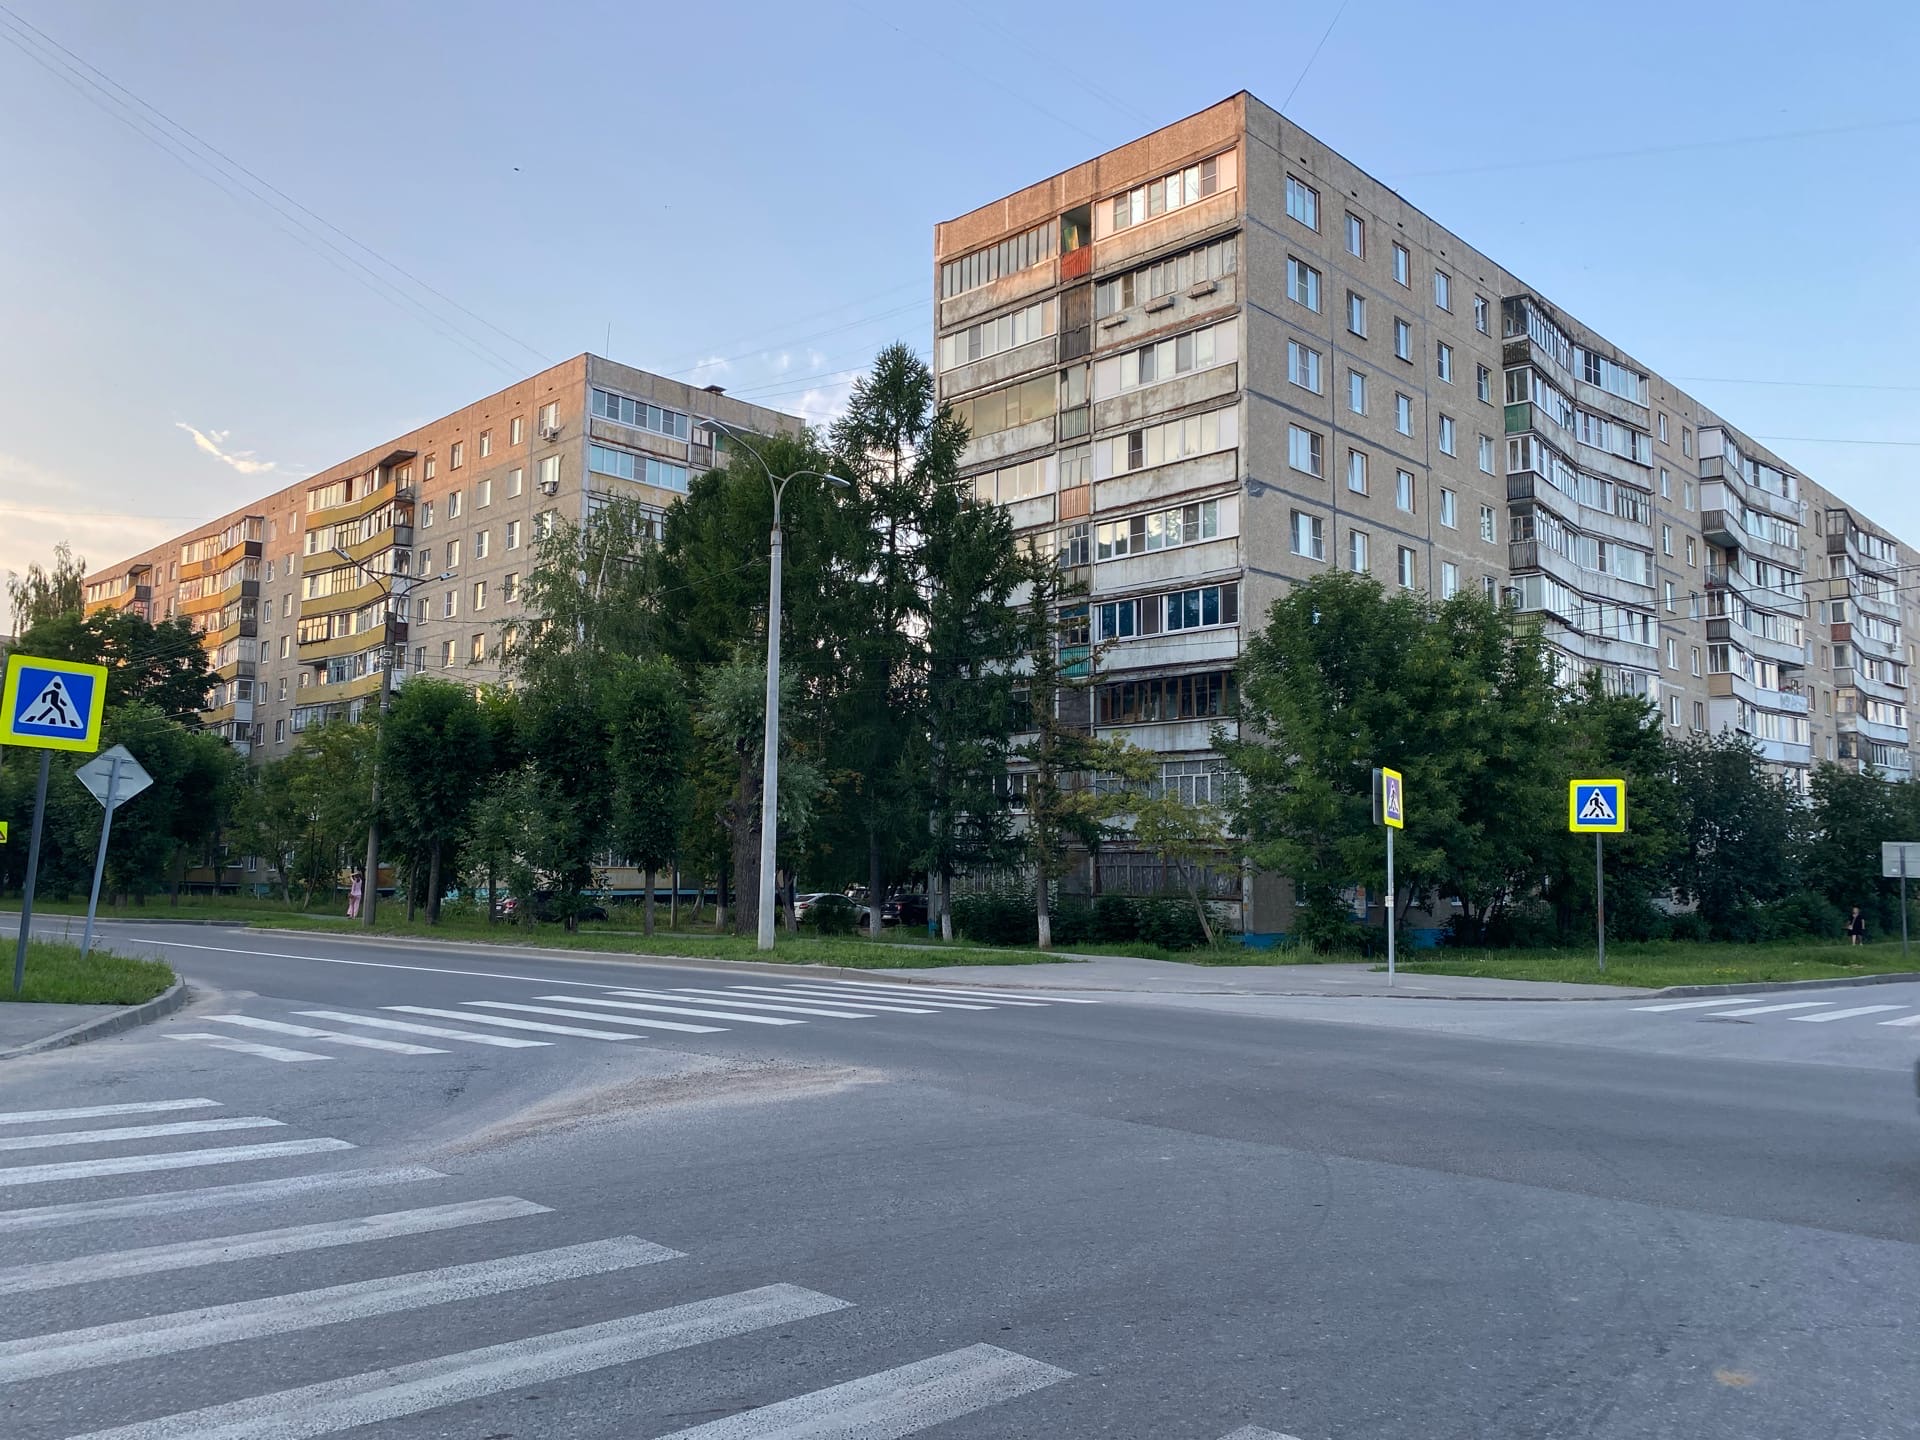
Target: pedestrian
column 1856, row 927
column 354, row 892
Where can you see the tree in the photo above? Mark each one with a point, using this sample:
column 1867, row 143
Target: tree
column 1739, row 833
column 162, row 665
column 650, row 731
column 1852, row 813
column 563, row 733
column 43, row 593
column 502, row 833
column 592, row 590
column 435, row 752
column 1188, row 834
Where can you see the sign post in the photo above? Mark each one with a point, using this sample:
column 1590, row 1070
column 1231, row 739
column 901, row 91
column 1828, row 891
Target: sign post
column 1601, row 807
column 1901, row 858
column 1390, row 810
column 114, row 778
column 47, row 705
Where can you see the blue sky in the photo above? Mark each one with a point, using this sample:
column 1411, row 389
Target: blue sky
column 754, row 186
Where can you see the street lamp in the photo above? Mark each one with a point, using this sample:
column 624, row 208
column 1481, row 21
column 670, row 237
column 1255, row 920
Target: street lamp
column 370, row 890
column 770, row 755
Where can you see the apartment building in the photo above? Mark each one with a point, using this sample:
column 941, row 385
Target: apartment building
column 1222, row 358
column 412, row 554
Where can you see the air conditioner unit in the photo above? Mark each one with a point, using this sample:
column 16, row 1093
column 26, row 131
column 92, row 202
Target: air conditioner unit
column 549, row 487
column 549, row 432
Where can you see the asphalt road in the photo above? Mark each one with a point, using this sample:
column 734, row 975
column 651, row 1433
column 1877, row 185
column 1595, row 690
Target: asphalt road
column 1167, row 1221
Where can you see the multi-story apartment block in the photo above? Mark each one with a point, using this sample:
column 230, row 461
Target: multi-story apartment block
column 409, row 557
column 1223, row 358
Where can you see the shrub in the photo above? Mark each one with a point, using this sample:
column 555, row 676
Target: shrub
column 832, row 915
column 995, row 919
column 1807, row 914
column 1170, row 924
column 1115, row 918
column 1074, row 922
column 1687, row 925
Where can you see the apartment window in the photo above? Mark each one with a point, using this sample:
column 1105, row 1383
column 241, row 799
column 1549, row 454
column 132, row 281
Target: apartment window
column 1661, row 421
column 450, row 605
column 510, row 587
column 1668, row 593
column 1357, row 471
column 1356, row 313
column 1357, row 560
column 516, row 482
column 446, row 654
column 453, row 506
column 1693, row 656
column 456, row 454
column 430, row 468
column 1402, row 339
column 1673, row 653
column 481, row 539
column 550, row 416
column 1443, row 289
column 282, row 691
column 1303, row 449
column 1448, row 501
column 1486, row 454
column 1156, row 530
column 453, row 555
column 1449, row 579
column 1356, row 392
column 486, row 443
column 1443, row 361
column 1673, row 709
column 1209, row 605
column 1303, row 366
column 1686, row 494
column 423, row 562
column 1666, row 484
column 1446, row 435
column 1356, row 234
column 1488, row 587
column 1408, row 576
column 422, row 606
column 1690, row 553
column 1483, row 383
column 1700, row 718
column 550, row 474
column 1480, row 313
column 1403, row 489
column 513, row 534
column 286, row 643
column 1303, row 203
column 483, row 495
column 426, row 514
column 1403, row 413
column 1666, row 539
column 1686, row 441
column 516, row 430
column 1488, row 522
column 479, row 594
column 1402, row 264
column 1303, row 283
column 280, row 731
column 477, row 649
column 1309, row 538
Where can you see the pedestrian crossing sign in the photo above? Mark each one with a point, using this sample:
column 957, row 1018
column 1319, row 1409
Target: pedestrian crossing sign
column 1596, row 805
column 52, row 704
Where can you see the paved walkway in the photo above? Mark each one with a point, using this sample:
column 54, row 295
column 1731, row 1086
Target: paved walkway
column 23, row 1022
column 1125, row 972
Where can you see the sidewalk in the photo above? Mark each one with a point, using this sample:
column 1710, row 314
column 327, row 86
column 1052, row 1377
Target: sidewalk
column 1168, row 977
column 28, row 1027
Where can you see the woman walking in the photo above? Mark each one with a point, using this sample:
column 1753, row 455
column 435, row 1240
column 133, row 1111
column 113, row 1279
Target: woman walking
column 1856, row 927
column 354, row 893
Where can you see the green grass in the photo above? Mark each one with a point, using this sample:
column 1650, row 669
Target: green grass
column 191, row 907
column 57, row 975
column 1658, row 964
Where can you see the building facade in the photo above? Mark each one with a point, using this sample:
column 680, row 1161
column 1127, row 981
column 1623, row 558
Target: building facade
column 412, row 554
column 1222, row 359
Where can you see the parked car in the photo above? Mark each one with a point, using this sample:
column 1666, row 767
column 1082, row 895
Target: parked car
column 909, row 909
column 803, row 903
column 543, row 905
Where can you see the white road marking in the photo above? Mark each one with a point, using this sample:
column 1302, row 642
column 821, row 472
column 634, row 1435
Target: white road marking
column 1027, row 998
column 734, row 999
column 1850, row 1014
column 207, row 1197
column 247, row 1047
column 95, row 1112
column 307, row 1032
column 438, row 1032
column 372, row 964
column 861, row 1002
column 1771, row 1009
column 893, row 1403
column 36, row 1356
column 1254, row 1432
column 175, row 1160
column 960, row 1001
column 539, row 1025
column 1903, row 1020
column 1690, row 1004
column 389, row 1394
column 293, row 1240
column 733, row 1015
column 135, row 1132
column 591, row 1015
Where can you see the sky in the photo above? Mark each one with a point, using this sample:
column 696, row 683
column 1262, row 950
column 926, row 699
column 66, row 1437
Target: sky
column 419, row 203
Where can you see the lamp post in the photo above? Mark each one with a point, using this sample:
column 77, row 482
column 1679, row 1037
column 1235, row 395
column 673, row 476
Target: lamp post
column 370, row 890
column 770, row 753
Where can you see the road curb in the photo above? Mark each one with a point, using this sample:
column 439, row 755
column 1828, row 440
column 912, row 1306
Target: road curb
column 165, row 1003
column 1763, row 987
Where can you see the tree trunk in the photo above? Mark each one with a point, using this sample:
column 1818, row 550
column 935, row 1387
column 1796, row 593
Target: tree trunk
column 493, row 891
column 1043, row 916
column 413, row 888
column 720, row 898
column 646, row 909
column 791, row 921
column 673, row 898
column 946, row 905
column 876, row 896
column 433, row 885
column 1192, row 876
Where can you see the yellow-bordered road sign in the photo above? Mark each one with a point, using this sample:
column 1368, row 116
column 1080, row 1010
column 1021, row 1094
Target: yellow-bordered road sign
column 1393, row 799
column 52, row 704
column 1596, row 805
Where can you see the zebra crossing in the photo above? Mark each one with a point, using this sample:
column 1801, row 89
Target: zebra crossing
column 216, row 1232
column 613, row 1016
column 1830, row 1011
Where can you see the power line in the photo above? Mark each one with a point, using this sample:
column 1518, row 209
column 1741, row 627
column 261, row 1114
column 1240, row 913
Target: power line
column 1313, row 57
column 1791, row 384
column 1832, row 440
column 1679, row 147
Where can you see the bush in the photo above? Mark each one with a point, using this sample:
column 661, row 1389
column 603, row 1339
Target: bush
column 1687, row 926
column 1115, row 918
column 832, row 915
column 1804, row 914
column 1170, row 924
column 995, row 919
column 1073, row 921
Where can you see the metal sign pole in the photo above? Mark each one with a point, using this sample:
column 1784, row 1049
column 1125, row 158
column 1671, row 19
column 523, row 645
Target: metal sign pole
column 100, row 857
column 1600, row 900
column 1903, row 904
column 1392, row 905
column 33, row 869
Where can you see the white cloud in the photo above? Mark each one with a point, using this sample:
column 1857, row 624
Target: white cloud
column 819, row 406
column 213, row 441
column 711, row 368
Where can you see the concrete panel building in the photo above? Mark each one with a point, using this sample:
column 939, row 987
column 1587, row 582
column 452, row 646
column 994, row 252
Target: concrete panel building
column 1223, row 358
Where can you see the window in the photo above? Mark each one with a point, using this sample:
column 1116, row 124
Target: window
column 1197, row 266
column 426, row 515
column 430, row 468
column 477, row 649
column 1403, row 413
column 1662, row 423
column 1694, row 659
column 1118, row 620
column 453, row 506
column 1158, row 530
column 1001, row 333
column 481, row 539
column 456, row 454
column 513, row 534
column 1480, row 313
column 446, row 654
column 1209, row 605
column 1673, row 653
column 1356, row 234
column 1309, row 538
column 1356, row 313
column 550, row 416
column 1303, row 203
column 1673, row 709
column 1357, row 559
column 605, row 460
column 1443, row 361
column 516, row 430
column 1162, row 444
column 1446, row 435
column 510, row 587
column 1486, row 454
column 1488, row 587
column 1483, row 383
column 1443, row 289
column 450, row 605
column 1666, row 539
column 1700, row 721
column 486, row 443
column 280, row 731
column 1303, row 283
column 1303, row 366
column 1449, row 579
column 1011, row 406
column 516, row 481
column 483, row 494
column 1686, row 441
column 1686, row 494
column 1487, row 524
column 1402, row 339
column 1408, row 576
column 1303, row 449
column 1403, row 489
column 1668, row 595
column 1357, row 471
column 1448, row 501
column 1666, row 484
column 453, row 555
column 1356, row 392
column 1402, row 264
column 286, row 642
column 1690, row 553
column 479, row 594
column 1029, row 248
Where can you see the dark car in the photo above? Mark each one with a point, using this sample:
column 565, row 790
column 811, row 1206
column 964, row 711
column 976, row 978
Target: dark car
column 544, row 906
column 907, row 910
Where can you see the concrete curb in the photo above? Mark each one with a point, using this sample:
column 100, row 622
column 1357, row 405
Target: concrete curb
column 1763, row 987
column 125, row 1018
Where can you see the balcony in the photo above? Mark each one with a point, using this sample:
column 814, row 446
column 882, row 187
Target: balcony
column 1715, row 467
column 1765, row 597
column 1784, row 702
column 393, row 632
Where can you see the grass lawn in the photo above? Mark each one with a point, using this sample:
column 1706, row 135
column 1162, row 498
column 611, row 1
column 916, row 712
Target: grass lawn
column 1656, row 964
column 57, row 975
column 240, row 908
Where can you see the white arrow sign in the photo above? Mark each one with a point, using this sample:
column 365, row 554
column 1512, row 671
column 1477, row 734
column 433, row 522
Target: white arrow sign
column 98, row 773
